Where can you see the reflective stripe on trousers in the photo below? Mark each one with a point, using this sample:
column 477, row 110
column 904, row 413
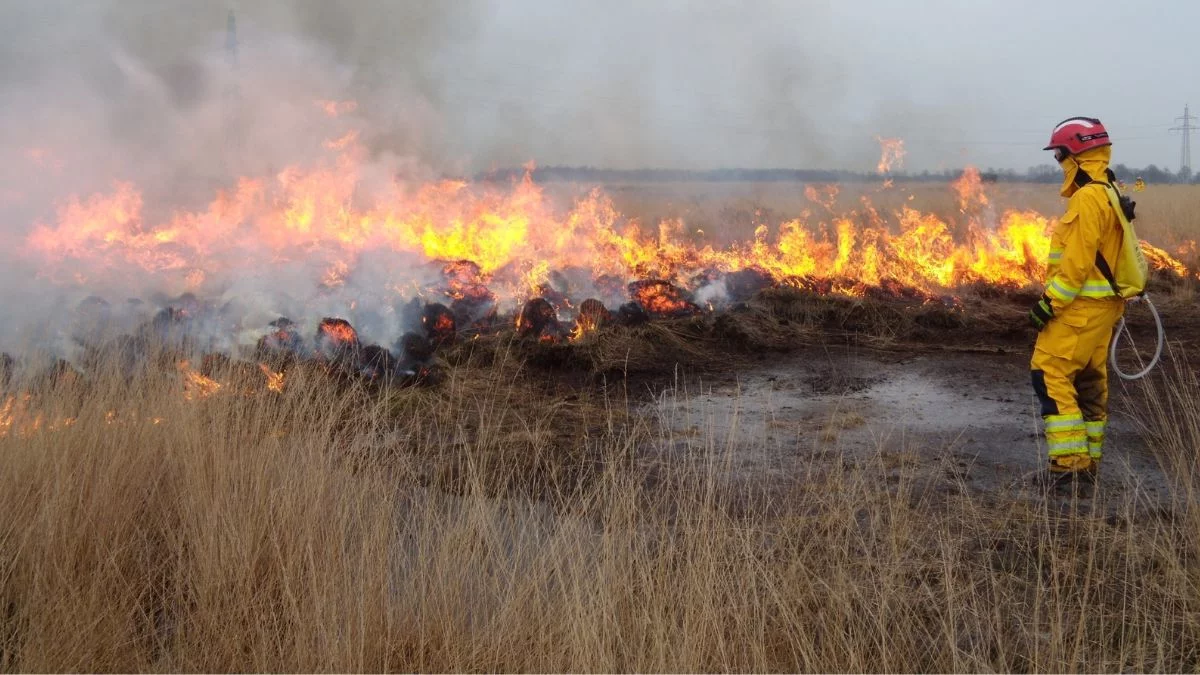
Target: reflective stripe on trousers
column 1095, row 438
column 1066, row 434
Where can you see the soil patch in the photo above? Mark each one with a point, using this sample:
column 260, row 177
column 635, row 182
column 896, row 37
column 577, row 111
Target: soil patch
column 964, row 421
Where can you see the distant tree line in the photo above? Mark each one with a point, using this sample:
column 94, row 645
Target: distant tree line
column 1046, row 173
column 1049, row 173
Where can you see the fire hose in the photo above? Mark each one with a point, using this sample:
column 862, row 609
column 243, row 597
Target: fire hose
column 1123, row 329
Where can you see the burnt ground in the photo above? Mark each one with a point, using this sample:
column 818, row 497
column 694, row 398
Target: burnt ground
column 791, row 383
column 957, row 421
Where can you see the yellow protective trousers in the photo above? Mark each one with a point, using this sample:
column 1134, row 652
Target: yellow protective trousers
column 1070, row 375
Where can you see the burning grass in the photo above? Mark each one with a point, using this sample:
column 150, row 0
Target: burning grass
column 506, row 523
column 485, row 249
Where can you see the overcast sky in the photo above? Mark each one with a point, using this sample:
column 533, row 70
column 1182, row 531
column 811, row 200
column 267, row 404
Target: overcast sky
column 691, row 84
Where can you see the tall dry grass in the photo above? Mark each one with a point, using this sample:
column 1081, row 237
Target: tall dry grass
column 324, row 529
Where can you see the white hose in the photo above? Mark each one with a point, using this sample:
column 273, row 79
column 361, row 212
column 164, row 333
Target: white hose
column 1121, row 328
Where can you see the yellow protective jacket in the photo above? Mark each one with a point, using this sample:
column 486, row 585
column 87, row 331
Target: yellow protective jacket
column 1090, row 224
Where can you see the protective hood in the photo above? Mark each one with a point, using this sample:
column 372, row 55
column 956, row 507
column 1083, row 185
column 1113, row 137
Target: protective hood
column 1093, row 162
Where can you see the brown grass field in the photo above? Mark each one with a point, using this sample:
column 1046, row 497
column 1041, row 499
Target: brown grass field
column 510, row 519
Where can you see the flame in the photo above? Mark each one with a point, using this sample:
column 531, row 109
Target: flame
column 195, row 385
column 537, row 276
column 338, row 330
column 825, row 195
column 274, row 379
column 660, row 298
column 969, row 187
column 891, row 154
column 539, row 318
column 1159, row 259
column 343, row 142
column 592, row 315
column 335, row 274
column 336, row 108
column 504, row 241
column 8, row 415
column 194, row 279
column 17, row 418
column 1187, row 254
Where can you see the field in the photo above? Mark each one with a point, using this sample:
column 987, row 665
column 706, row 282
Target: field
column 799, row 485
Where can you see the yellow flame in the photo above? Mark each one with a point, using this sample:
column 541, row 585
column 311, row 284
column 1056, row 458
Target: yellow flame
column 195, row 385
column 969, row 187
column 517, row 236
column 274, row 379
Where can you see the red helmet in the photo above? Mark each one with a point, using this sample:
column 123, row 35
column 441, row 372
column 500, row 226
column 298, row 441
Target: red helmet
column 1076, row 134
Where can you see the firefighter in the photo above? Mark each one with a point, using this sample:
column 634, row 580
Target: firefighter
column 1076, row 313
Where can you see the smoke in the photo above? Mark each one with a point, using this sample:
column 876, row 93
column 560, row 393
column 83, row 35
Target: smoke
column 460, row 86
column 151, row 92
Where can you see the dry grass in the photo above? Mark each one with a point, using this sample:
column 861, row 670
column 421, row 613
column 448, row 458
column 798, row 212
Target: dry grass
column 328, row 530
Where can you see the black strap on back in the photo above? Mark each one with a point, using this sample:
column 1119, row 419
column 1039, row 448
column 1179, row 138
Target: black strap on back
column 1101, row 263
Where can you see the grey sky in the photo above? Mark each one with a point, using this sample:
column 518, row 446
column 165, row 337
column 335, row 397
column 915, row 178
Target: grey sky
column 700, row 84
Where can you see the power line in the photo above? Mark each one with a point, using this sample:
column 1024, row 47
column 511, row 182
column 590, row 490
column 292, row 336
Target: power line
column 1185, row 146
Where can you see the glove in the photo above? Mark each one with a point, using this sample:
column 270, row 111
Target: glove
column 1041, row 313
